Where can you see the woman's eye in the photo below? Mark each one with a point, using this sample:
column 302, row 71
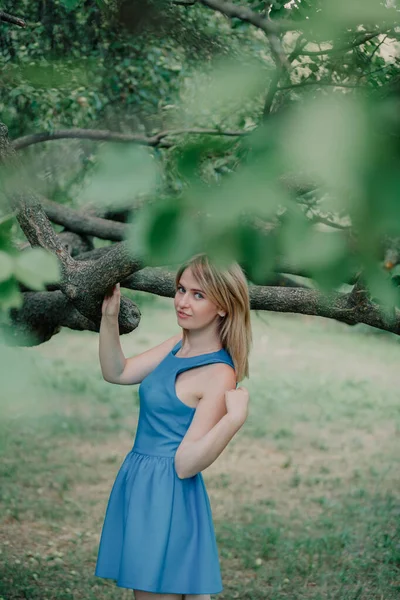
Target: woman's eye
column 182, row 289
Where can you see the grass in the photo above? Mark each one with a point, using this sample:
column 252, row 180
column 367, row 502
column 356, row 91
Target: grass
column 305, row 498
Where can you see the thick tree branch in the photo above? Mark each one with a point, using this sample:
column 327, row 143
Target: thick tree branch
column 87, row 280
column 79, row 222
column 30, row 215
column 84, row 283
column 6, row 18
column 338, row 306
column 42, row 315
column 75, row 244
column 114, row 136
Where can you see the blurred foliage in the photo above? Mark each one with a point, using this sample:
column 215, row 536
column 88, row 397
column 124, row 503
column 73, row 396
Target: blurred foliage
column 76, row 63
column 332, row 124
column 34, row 267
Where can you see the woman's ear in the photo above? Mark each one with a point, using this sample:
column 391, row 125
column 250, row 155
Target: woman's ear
column 222, row 313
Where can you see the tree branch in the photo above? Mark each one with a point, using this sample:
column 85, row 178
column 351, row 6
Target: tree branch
column 323, row 83
column 75, row 243
column 84, row 283
column 42, row 315
column 6, row 18
column 325, row 221
column 336, row 305
column 30, row 214
column 270, row 28
column 246, row 14
column 344, row 48
column 84, row 224
column 114, row 136
column 273, row 88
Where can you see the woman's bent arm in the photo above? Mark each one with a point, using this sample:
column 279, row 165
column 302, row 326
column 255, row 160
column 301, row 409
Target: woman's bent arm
column 199, row 455
column 112, row 359
column 114, row 366
column 219, row 415
column 127, row 371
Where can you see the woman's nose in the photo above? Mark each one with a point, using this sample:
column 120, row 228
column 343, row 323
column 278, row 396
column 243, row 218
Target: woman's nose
column 184, row 299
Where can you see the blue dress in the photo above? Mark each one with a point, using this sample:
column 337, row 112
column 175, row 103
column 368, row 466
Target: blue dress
column 158, row 534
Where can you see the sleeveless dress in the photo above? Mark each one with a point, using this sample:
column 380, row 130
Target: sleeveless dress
column 158, row 534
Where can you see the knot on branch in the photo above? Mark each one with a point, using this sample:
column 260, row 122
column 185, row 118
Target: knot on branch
column 358, row 296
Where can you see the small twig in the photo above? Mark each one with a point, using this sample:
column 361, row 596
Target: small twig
column 377, row 48
column 273, row 88
column 10, row 19
column 324, row 83
column 344, row 48
column 325, row 221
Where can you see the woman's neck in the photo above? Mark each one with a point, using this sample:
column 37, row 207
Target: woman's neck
column 200, row 344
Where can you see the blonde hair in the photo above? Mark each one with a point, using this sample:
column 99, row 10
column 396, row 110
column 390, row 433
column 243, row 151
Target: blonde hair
column 228, row 289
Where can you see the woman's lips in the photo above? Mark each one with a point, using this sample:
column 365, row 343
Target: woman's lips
column 182, row 315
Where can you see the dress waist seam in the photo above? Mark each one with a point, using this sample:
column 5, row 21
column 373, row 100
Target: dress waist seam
column 135, row 451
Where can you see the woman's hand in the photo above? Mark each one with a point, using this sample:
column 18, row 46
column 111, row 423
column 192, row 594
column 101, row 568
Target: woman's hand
column 111, row 302
column 237, row 404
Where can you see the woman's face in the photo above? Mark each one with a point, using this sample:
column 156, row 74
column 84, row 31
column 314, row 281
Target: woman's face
column 194, row 310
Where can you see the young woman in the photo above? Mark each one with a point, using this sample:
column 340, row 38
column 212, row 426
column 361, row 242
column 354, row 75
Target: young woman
column 158, row 536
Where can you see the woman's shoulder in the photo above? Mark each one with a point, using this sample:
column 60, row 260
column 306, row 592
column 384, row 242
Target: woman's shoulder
column 219, row 375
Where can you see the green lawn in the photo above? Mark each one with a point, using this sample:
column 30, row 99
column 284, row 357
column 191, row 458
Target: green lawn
column 305, row 498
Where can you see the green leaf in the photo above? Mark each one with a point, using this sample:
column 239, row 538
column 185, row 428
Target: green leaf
column 122, row 173
column 70, row 4
column 395, row 272
column 322, row 255
column 164, row 230
column 165, row 233
column 278, row 13
column 35, row 267
column 356, row 11
column 328, row 139
column 6, row 224
column 10, row 296
column 257, row 252
column 223, row 93
column 60, row 74
column 382, row 289
column 6, row 266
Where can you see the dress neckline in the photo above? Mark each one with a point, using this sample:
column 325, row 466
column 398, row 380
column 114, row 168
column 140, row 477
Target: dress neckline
column 195, row 356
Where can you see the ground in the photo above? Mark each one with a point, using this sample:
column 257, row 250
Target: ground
column 305, row 498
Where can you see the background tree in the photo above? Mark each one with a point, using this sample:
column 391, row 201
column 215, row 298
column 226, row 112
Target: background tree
column 265, row 132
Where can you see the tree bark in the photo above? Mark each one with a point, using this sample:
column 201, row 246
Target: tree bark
column 84, row 283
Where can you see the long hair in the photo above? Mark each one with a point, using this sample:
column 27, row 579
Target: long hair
column 228, row 289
